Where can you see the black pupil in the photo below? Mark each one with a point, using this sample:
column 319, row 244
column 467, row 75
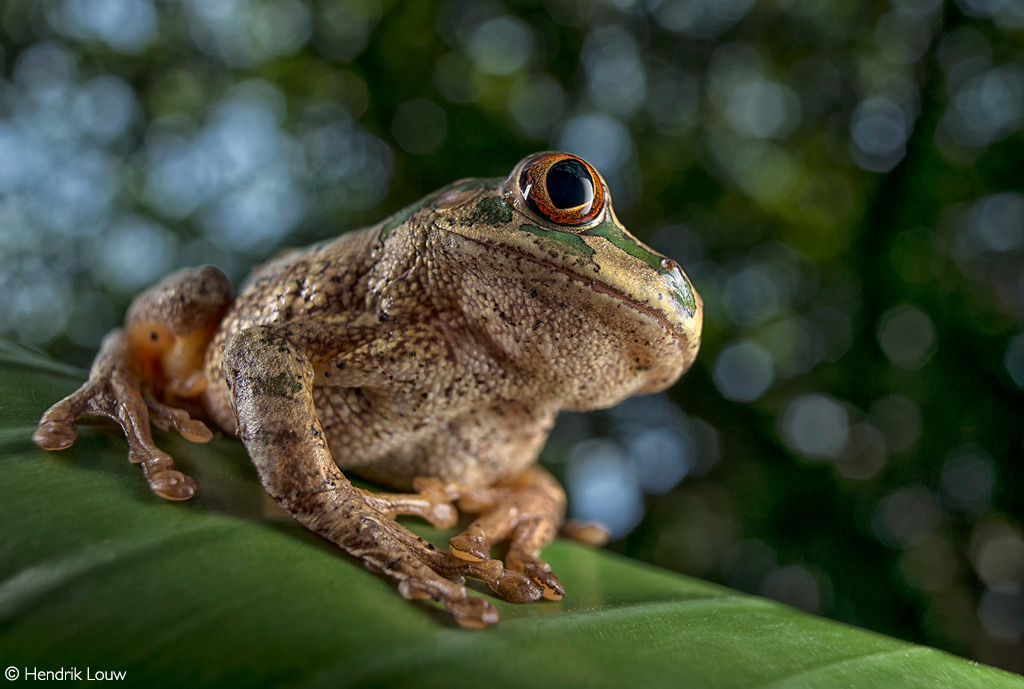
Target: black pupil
column 569, row 185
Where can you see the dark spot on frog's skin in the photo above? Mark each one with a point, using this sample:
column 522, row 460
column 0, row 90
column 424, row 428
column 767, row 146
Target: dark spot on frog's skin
column 377, row 356
column 383, row 317
column 491, row 210
column 153, row 336
column 281, row 385
column 340, row 365
column 425, row 395
column 533, row 293
column 327, row 374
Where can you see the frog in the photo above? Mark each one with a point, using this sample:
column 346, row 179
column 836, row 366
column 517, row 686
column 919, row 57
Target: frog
column 429, row 354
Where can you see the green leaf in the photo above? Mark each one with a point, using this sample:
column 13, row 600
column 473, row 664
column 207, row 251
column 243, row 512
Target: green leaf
column 97, row 573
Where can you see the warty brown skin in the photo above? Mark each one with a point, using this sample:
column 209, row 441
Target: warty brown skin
column 430, row 353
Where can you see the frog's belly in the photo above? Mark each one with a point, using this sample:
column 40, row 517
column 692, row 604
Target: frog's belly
column 479, row 448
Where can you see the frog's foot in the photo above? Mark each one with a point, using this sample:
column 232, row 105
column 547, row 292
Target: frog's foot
column 419, row 568
column 433, row 502
column 430, row 502
column 511, row 585
column 361, row 523
column 114, row 391
column 527, row 512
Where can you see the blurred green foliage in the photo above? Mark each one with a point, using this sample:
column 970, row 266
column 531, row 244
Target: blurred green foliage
column 841, row 181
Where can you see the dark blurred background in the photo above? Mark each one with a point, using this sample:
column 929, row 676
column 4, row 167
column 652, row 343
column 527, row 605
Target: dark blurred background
column 841, row 181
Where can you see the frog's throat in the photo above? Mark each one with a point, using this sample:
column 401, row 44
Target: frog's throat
column 680, row 338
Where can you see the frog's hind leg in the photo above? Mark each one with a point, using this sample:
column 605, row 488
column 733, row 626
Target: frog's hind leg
column 165, row 333
column 527, row 512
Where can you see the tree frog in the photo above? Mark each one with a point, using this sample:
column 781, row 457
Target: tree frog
column 429, row 353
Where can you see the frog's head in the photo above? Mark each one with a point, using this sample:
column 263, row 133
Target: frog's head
column 554, row 209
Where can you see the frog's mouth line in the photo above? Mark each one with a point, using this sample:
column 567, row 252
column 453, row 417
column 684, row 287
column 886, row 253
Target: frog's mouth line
column 681, row 340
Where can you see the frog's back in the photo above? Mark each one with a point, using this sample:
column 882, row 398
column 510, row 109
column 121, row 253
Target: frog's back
column 321, row 279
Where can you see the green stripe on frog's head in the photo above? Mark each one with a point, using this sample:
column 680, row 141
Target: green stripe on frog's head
column 669, row 269
column 566, row 239
column 625, row 242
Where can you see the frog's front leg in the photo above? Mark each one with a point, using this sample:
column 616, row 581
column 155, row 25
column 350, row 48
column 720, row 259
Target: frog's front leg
column 157, row 354
column 271, row 379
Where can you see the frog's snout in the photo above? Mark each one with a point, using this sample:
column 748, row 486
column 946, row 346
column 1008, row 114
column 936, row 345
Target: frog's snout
column 681, row 309
column 679, row 287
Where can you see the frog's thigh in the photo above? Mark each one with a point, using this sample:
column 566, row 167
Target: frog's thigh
column 528, row 513
column 271, row 389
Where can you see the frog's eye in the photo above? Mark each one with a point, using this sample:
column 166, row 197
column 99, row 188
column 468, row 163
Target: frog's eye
column 563, row 189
